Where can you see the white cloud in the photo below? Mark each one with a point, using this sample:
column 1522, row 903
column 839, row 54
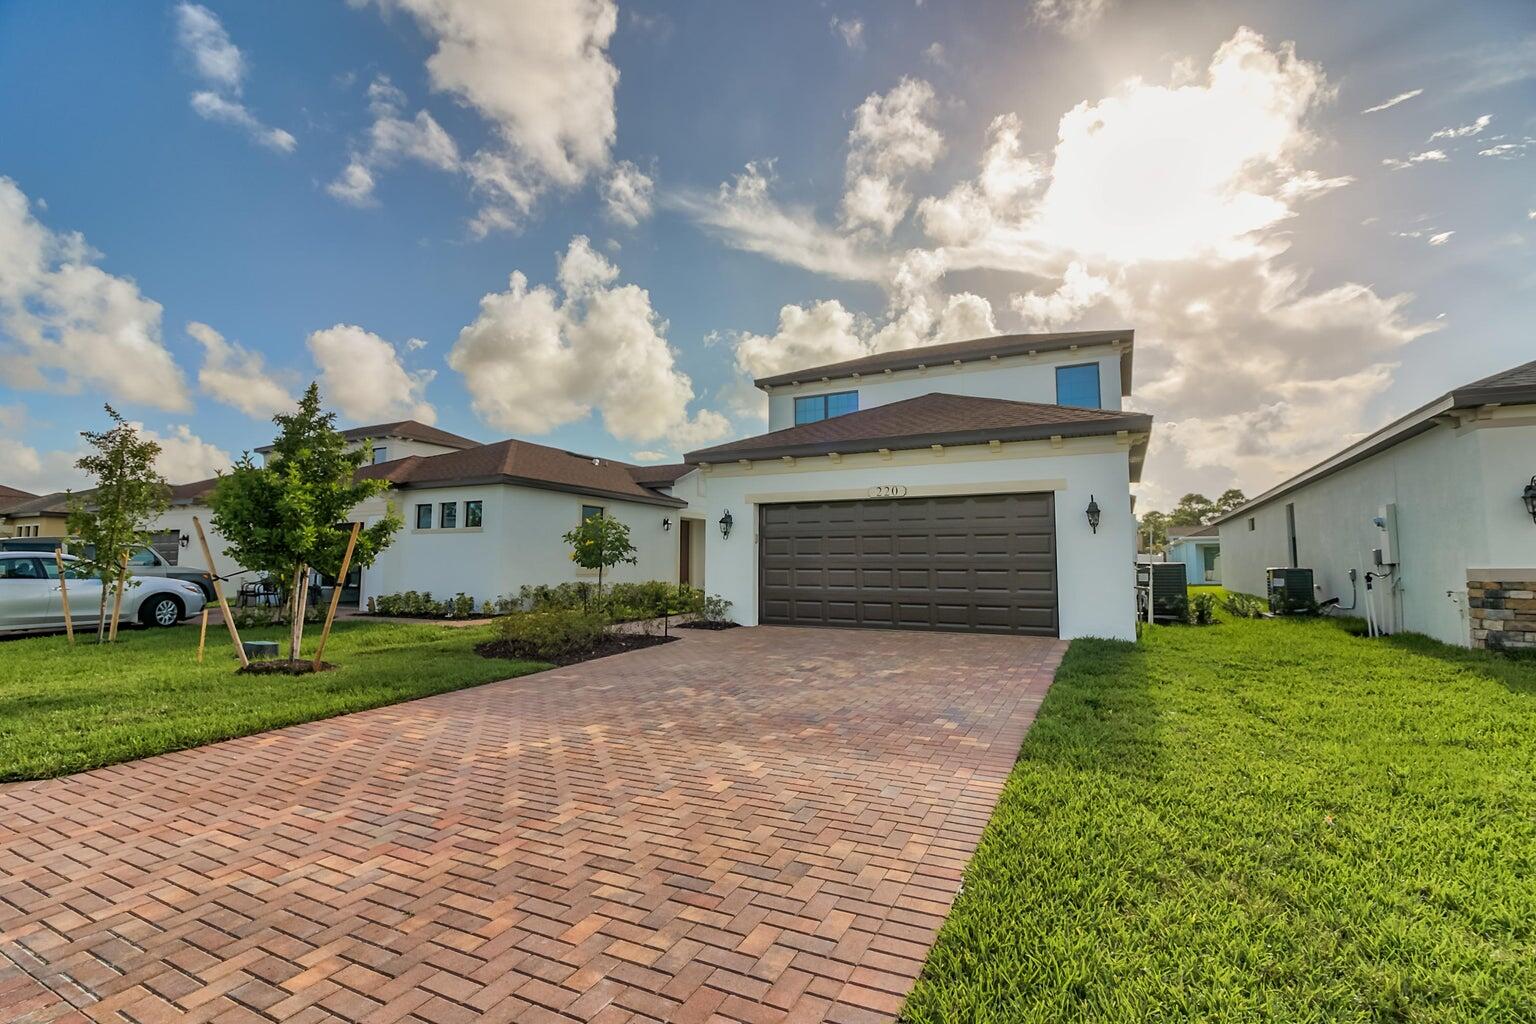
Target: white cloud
column 219, row 63
column 1429, row 156
column 1079, row 292
column 1071, row 17
column 362, row 376
column 1440, row 237
column 210, row 106
column 936, row 56
column 1401, row 97
column 972, row 208
column 185, row 457
column 891, row 137
column 67, row 324
column 627, row 193
column 744, row 215
column 539, row 72
column 850, row 30
column 392, row 138
column 237, row 376
column 537, row 358
column 414, row 344
column 1507, row 150
column 650, row 456
column 1463, row 131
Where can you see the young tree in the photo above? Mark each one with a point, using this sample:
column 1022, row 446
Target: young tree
column 600, row 542
column 115, row 517
column 292, row 514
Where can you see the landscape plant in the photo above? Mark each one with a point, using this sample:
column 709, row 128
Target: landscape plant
column 1202, row 608
column 552, row 634
column 601, row 542
column 290, row 515
column 115, row 517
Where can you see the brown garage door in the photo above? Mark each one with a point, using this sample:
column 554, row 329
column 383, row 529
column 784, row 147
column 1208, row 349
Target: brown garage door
column 985, row 563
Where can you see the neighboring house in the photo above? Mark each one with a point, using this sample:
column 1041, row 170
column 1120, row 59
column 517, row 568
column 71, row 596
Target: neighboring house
column 945, row 487
column 37, row 515
column 1199, row 548
column 402, row 439
column 1454, row 485
column 10, row 497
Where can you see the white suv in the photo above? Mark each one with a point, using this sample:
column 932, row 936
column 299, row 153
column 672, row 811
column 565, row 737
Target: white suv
column 31, row 598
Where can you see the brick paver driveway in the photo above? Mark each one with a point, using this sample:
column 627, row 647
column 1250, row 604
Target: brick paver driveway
column 753, row 825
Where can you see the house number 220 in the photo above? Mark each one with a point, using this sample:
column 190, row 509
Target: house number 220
column 888, row 491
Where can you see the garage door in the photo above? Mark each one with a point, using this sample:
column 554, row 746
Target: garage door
column 982, row 563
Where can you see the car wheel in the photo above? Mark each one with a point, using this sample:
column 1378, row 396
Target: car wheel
column 161, row 610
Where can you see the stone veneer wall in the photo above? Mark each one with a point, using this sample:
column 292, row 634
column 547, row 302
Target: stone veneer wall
column 1503, row 610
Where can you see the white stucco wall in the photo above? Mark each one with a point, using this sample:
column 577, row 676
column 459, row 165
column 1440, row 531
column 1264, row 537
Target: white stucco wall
column 518, row 543
column 1017, row 378
column 180, row 518
column 1457, row 496
column 1095, row 572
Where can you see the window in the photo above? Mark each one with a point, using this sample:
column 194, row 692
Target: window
column 423, row 517
column 1250, row 524
column 1290, row 532
column 588, row 511
column 20, row 569
column 814, row 408
column 472, row 514
column 380, row 454
column 449, row 518
column 72, row 570
column 1078, row 386
column 143, row 556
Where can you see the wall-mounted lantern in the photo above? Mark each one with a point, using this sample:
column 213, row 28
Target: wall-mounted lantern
column 1093, row 513
column 1529, row 497
column 726, row 522
column 184, row 540
column 666, row 524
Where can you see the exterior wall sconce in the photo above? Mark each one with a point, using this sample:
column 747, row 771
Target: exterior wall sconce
column 666, row 524
column 1093, row 513
column 184, row 540
column 726, row 522
column 1529, row 497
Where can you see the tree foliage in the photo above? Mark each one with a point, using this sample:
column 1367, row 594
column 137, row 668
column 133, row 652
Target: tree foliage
column 1154, row 531
column 293, row 513
column 600, row 542
column 114, row 518
column 1195, row 509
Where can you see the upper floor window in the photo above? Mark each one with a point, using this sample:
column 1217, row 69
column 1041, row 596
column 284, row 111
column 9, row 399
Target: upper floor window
column 423, row 517
column 588, row 511
column 448, row 519
column 380, row 454
column 1078, row 386
column 472, row 514
column 814, row 408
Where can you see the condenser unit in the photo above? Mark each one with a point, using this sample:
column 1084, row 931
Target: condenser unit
column 1290, row 591
column 1170, row 593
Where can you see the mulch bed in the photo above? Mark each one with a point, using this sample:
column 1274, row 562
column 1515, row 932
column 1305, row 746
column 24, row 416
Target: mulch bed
column 707, row 625
column 282, row 667
column 613, row 643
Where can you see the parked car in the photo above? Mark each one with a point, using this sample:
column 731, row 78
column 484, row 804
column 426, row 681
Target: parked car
column 31, row 598
column 143, row 561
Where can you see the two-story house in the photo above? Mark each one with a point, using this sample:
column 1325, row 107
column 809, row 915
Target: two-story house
column 982, row 485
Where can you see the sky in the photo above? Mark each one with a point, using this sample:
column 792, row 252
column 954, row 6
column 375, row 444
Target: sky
column 590, row 224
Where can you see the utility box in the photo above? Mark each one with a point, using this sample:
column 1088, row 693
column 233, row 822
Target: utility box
column 1170, row 591
column 1290, row 591
column 1385, row 552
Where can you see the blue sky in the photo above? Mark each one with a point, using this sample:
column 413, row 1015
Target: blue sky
column 207, row 206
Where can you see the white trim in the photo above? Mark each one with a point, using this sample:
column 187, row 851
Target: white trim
column 913, row 491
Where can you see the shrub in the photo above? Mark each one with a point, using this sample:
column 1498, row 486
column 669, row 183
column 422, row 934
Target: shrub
column 551, row 634
column 1202, row 609
column 620, row 602
column 714, row 608
column 1246, row 606
column 421, row 605
column 565, row 596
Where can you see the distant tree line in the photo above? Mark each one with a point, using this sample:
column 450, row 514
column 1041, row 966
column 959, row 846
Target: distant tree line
column 1194, row 509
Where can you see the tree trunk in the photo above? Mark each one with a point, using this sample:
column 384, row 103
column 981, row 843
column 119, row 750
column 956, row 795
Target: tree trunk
column 296, row 628
column 101, row 616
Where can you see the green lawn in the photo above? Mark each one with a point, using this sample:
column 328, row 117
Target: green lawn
column 1257, row 821
column 67, row 709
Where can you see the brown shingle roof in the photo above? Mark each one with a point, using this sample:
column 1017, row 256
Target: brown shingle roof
column 56, row 503
column 660, row 476
column 13, row 496
column 1515, row 385
column 927, row 420
column 410, row 430
column 520, row 462
column 964, row 351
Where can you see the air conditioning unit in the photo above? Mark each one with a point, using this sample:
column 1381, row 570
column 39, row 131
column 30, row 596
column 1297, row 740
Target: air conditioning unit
column 1170, row 593
column 1290, row 591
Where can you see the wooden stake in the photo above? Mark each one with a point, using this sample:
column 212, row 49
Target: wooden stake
column 341, row 582
column 69, row 622
column 218, row 590
column 202, row 634
column 117, row 603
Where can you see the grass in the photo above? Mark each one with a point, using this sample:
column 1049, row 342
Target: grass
column 67, row 709
column 1261, row 820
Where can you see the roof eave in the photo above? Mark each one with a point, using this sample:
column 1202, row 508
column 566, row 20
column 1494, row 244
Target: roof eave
column 661, row 500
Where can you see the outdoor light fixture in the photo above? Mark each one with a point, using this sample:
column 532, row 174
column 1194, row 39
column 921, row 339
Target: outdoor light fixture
column 726, row 522
column 1529, row 497
column 1093, row 514
column 185, row 539
column 666, row 524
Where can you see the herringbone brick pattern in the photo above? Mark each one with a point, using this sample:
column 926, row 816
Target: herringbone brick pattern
column 755, row 825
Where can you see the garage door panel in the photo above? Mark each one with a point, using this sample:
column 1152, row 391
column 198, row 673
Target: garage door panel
column 984, row 562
